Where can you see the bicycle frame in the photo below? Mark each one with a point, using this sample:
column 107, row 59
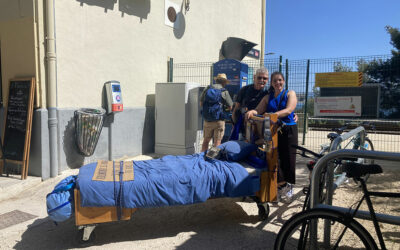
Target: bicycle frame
column 367, row 195
column 323, row 164
column 343, row 153
column 334, row 147
column 359, row 135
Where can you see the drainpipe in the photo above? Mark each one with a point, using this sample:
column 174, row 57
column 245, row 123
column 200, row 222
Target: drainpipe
column 51, row 87
column 262, row 32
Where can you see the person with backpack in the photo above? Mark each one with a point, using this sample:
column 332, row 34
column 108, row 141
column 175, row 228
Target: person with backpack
column 216, row 103
column 283, row 103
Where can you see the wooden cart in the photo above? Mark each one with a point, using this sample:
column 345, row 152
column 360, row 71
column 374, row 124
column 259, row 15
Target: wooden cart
column 255, row 127
column 86, row 218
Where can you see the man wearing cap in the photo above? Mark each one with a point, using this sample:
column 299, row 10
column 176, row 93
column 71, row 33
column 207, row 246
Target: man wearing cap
column 214, row 128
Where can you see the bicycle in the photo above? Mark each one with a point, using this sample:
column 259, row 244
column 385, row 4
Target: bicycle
column 356, row 140
column 308, row 230
column 368, row 145
column 354, row 143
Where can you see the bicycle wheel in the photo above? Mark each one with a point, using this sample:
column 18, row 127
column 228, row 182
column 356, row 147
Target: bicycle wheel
column 345, row 233
column 368, row 146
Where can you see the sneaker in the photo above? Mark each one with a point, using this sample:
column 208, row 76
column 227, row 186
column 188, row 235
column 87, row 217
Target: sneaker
column 285, row 193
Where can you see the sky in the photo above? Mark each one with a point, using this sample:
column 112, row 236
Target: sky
column 313, row 29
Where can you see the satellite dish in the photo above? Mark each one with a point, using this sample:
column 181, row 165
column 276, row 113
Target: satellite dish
column 171, row 13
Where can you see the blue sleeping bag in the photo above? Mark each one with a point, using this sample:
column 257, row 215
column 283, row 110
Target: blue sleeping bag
column 60, row 202
column 170, row 180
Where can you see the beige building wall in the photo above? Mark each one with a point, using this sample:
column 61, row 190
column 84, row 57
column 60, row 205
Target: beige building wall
column 128, row 41
column 101, row 40
column 16, row 41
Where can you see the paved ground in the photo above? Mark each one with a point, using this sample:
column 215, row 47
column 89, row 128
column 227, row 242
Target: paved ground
column 215, row 224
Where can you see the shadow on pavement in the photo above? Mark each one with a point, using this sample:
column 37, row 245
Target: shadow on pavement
column 215, row 224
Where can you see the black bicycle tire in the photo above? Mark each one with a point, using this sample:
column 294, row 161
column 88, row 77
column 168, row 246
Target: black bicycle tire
column 323, row 213
column 370, row 161
column 372, row 147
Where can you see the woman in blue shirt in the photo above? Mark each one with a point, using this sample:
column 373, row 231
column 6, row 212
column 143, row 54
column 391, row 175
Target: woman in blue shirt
column 283, row 103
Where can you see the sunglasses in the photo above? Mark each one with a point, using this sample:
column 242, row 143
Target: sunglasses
column 262, row 78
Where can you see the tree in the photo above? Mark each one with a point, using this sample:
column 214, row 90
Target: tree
column 339, row 67
column 395, row 40
column 362, row 66
column 387, row 74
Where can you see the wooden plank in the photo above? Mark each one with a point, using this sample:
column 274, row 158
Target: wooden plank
column 94, row 215
column 272, row 175
column 268, row 180
column 29, row 128
column 272, row 159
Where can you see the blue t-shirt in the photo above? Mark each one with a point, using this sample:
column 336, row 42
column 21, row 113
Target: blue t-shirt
column 273, row 106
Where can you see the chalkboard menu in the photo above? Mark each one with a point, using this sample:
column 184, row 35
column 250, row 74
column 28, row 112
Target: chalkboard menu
column 18, row 122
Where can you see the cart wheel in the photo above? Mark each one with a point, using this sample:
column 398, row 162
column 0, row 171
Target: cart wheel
column 80, row 239
column 263, row 211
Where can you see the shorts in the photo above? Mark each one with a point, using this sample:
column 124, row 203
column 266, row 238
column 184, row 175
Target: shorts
column 214, row 130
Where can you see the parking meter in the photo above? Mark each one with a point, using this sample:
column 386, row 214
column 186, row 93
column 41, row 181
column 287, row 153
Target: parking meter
column 113, row 97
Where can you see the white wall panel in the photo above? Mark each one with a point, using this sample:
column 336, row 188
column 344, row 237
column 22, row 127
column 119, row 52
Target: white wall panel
column 99, row 41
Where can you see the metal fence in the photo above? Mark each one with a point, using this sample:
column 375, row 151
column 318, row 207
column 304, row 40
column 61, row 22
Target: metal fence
column 202, row 72
column 378, row 82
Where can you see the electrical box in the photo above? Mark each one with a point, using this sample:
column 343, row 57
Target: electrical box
column 178, row 122
column 236, row 72
column 113, row 97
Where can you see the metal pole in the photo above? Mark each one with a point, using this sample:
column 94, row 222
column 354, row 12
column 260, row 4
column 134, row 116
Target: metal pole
column 280, row 63
column 212, row 74
column 262, row 32
column 305, row 102
column 110, row 137
column 170, row 70
column 51, row 58
column 378, row 101
column 287, row 74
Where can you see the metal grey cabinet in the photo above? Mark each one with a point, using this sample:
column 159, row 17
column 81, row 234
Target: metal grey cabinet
column 177, row 118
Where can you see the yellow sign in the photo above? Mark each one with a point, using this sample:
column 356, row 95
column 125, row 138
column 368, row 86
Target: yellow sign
column 339, row 79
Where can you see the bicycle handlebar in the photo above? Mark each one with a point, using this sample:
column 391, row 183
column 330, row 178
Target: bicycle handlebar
column 365, row 124
column 340, row 130
column 369, row 125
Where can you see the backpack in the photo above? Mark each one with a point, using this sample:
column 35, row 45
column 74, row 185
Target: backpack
column 60, row 202
column 212, row 106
